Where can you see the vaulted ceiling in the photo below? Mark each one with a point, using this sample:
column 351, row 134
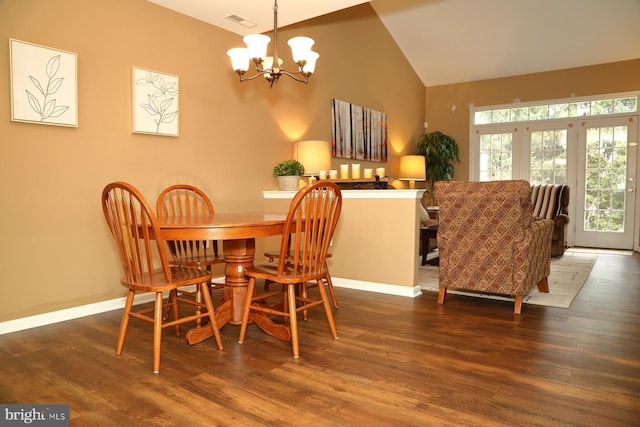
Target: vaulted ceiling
column 452, row 41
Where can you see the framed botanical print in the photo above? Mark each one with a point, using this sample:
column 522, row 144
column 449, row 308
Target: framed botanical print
column 155, row 98
column 44, row 84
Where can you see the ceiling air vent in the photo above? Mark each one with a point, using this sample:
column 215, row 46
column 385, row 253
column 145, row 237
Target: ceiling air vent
column 240, row 20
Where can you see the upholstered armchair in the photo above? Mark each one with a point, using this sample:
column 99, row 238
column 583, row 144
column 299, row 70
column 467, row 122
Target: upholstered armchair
column 488, row 240
column 551, row 201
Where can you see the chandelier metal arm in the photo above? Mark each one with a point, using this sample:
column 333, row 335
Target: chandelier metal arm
column 246, row 79
column 304, row 80
column 272, row 77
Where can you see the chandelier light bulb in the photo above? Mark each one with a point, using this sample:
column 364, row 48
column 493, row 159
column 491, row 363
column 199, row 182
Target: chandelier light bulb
column 267, row 63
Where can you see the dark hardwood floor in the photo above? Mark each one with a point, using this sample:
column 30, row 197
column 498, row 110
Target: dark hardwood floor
column 399, row 361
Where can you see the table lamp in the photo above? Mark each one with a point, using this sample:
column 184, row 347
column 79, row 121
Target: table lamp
column 412, row 169
column 315, row 156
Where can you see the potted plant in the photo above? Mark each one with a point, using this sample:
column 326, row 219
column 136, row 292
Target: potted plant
column 288, row 174
column 440, row 152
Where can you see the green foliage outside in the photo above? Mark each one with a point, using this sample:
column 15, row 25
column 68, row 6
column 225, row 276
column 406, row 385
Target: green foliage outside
column 604, row 172
column 605, row 175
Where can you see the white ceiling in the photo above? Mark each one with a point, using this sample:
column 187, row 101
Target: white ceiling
column 452, row 41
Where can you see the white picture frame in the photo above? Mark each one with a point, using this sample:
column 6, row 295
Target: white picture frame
column 155, row 97
column 44, row 84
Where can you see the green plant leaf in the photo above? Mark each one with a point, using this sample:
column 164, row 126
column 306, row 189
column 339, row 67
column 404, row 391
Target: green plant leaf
column 288, row 168
column 441, row 152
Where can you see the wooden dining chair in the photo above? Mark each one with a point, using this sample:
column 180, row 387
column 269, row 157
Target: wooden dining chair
column 146, row 267
column 309, row 226
column 184, row 199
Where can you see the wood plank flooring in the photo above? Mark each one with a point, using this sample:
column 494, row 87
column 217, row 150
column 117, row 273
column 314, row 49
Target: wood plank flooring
column 398, row 361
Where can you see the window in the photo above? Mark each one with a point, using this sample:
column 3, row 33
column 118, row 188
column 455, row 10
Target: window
column 548, row 157
column 531, row 140
column 517, row 113
column 496, row 156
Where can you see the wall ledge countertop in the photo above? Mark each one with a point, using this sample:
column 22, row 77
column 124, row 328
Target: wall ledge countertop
column 355, row 194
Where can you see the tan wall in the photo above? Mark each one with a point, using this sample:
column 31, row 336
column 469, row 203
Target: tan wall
column 56, row 252
column 447, row 106
column 376, row 240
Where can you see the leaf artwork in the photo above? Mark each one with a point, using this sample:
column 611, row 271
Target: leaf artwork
column 48, row 108
column 160, row 102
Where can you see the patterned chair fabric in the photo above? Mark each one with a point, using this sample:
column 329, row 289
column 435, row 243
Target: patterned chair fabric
column 488, row 240
column 551, row 201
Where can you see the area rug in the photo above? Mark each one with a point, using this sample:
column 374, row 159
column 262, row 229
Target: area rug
column 568, row 274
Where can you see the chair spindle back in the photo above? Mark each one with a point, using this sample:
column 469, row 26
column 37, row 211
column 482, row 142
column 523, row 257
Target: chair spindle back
column 309, row 227
column 183, row 199
column 135, row 229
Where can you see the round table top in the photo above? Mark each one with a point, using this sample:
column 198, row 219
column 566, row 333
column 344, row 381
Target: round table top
column 222, row 226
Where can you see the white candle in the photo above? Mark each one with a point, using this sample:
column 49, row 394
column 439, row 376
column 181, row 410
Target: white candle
column 344, row 171
column 380, row 172
column 323, row 174
column 368, row 173
column 333, row 174
column 355, row 170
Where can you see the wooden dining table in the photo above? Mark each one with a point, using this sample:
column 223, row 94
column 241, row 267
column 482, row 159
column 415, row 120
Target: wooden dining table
column 238, row 231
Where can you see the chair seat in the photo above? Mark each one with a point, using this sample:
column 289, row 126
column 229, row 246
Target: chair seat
column 182, row 276
column 275, row 255
column 270, row 272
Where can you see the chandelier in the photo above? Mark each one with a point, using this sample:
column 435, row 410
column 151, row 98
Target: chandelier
column 270, row 66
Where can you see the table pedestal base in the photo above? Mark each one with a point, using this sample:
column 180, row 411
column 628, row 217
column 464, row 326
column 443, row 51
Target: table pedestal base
column 238, row 255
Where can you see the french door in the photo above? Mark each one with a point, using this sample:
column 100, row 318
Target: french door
column 596, row 157
column 589, row 143
column 605, row 196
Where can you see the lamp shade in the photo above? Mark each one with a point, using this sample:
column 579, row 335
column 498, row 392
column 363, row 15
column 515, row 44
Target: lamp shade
column 314, row 155
column 239, row 58
column 311, row 59
column 412, row 168
column 257, row 45
column 300, row 47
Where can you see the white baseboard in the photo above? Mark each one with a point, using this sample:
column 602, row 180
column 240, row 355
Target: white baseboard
column 68, row 314
column 118, row 303
column 381, row 288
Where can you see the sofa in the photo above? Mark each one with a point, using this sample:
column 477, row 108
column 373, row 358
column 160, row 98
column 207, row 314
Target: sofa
column 551, row 201
column 488, row 240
